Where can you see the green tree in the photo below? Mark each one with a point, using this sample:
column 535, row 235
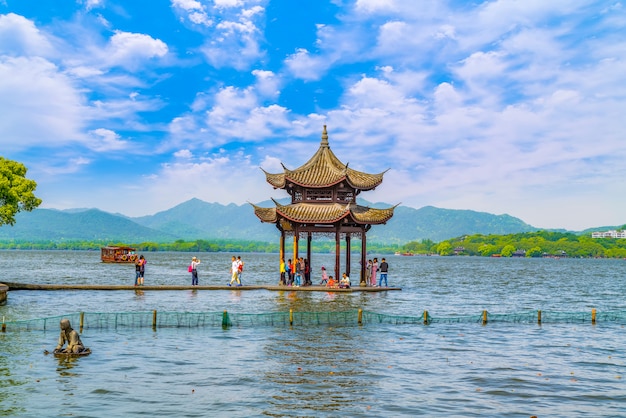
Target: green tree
column 444, row 248
column 487, row 250
column 16, row 191
column 534, row 252
column 507, row 251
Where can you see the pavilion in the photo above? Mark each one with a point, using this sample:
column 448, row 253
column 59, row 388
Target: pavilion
column 323, row 202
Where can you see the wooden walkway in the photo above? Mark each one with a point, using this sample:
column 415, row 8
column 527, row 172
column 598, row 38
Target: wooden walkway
column 27, row 286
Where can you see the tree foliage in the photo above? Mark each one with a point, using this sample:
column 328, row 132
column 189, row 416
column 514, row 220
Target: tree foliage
column 535, row 244
column 16, row 191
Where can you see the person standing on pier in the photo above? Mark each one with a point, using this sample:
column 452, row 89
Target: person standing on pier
column 283, row 271
column 384, row 268
column 324, row 276
column 374, row 270
column 194, row 271
column 239, row 268
column 234, row 272
column 140, row 269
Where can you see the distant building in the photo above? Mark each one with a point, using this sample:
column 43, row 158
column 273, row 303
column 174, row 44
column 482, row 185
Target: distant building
column 609, row 234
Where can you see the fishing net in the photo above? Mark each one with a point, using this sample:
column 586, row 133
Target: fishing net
column 154, row 319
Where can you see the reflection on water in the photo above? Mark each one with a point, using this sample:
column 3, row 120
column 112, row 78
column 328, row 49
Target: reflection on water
column 464, row 370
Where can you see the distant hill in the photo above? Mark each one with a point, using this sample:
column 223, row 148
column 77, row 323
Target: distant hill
column 86, row 225
column 197, row 219
column 409, row 224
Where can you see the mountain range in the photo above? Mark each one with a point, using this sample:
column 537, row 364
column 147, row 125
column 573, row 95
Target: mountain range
column 196, row 219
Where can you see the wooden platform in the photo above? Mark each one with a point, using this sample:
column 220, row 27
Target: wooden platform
column 27, row 286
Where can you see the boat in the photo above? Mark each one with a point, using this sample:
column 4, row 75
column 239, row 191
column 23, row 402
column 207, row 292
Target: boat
column 121, row 254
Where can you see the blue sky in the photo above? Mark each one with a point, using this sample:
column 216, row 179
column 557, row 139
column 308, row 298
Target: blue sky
column 133, row 107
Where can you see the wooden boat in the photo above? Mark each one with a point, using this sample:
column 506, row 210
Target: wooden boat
column 62, row 354
column 111, row 254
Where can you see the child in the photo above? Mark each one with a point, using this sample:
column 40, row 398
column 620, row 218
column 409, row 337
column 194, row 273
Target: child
column 324, row 276
column 331, row 282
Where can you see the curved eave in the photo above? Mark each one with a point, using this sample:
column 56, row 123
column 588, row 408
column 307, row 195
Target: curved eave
column 276, row 180
column 265, row 214
column 313, row 213
column 367, row 215
column 364, row 181
column 331, row 213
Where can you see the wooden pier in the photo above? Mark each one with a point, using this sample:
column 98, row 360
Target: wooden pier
column 274, row 288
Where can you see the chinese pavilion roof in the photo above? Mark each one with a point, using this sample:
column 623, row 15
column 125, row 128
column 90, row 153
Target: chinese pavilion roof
column 324, row 169
column 314, row 213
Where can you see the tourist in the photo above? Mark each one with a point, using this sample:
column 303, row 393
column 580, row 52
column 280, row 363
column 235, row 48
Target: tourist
column 331, row 282
column 384, row 268
column 374, row 270
column 344, row 283
column 289, row 272
column 140, row 268
column 307, row 273
column 324, row 276
column 234, row 272
column 368, row 271
column 282, row 272
column 239, row 268
column 194, row 271
column 69, row 336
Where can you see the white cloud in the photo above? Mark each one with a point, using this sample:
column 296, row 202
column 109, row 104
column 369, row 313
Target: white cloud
column 370, row 6
column 302, row 65
column 236, row 113
column 105, row 140
column 40, row 106
column 92, row 4
column 228, row 3
column 196, row 12
column 235, row 41
column 184, row 154
column 267, row 84
column 128, row 50
column 225, row 177
column 19, row 36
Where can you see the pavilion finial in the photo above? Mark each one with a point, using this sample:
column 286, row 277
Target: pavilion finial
column 324, row 142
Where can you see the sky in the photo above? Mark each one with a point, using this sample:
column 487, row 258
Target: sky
column 506, row 107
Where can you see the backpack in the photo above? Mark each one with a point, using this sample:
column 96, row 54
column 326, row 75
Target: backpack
column 189, row 269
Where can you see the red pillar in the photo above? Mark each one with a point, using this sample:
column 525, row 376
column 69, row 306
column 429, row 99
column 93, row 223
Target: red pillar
column 363, row 257
column 348, row 254
column 337, row 253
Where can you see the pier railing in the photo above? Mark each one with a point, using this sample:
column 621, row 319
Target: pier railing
column 154, row 319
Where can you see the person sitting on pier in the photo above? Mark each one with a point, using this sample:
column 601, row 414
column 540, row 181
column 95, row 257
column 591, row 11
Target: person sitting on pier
column 344, row 283
column 331, row 282
column 70, row 336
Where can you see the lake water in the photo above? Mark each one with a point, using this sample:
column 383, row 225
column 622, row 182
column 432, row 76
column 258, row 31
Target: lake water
column 446, row 369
